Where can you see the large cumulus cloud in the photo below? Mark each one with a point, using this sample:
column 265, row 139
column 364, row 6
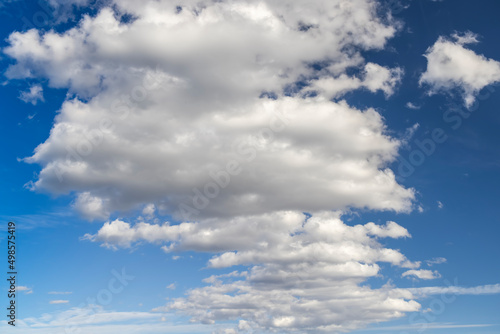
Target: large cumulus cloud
column 227, row 115
column 182, row 93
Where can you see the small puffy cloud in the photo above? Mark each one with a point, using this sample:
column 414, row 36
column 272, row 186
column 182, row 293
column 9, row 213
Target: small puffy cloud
column 149, row 210
column 391, row 230
column 59, row 301
column 422, row 274
column 450, row 65
column 33, row 95
column 374, row 78
column 411, row 105
column 25, row 289
column 440, row 204
column 171, row 286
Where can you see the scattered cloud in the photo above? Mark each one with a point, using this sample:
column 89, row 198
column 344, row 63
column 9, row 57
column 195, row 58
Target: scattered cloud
column 413, row 106
column 410, row 132
column 422, row 274
column 374, row 78
column 437, row 260
column 450, row 65
column 60, row 293
column 86, row 317
column 171, row 286
column 429, row 325
column 33, row 95
column 32, row 221
column 440, row 204
column 149, row 210
column 25, row 289
column 456, row 290
column 59, row 301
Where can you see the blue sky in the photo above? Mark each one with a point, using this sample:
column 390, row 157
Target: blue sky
column 368, row 87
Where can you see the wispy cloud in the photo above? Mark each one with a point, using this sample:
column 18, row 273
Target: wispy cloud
column 457, row 290
column 31, row 221
column 423, row 326
column 25, row 289
column 436, row 260
column 96, row 320
column 59, row 301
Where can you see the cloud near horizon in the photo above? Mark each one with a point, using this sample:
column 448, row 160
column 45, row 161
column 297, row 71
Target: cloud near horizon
column 301, row 268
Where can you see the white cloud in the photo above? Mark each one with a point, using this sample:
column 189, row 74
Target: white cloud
column 25, row 289
column 90, row 315
column 456, row 290
column 191, row 112
column 164, row 113
column 430, row 325
column 33, row 95
column 452, row 66
column 440, row 204
column 94, row 319
column 171, row 286
column 59, row 301
column 391, row 230
column 149, row 210
column 409, row 133
column 437, row 260
column 375, row 77
column 91, row 207
column 413, row 106
column 422, row 274
column 314, row 264
column 60, row 293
